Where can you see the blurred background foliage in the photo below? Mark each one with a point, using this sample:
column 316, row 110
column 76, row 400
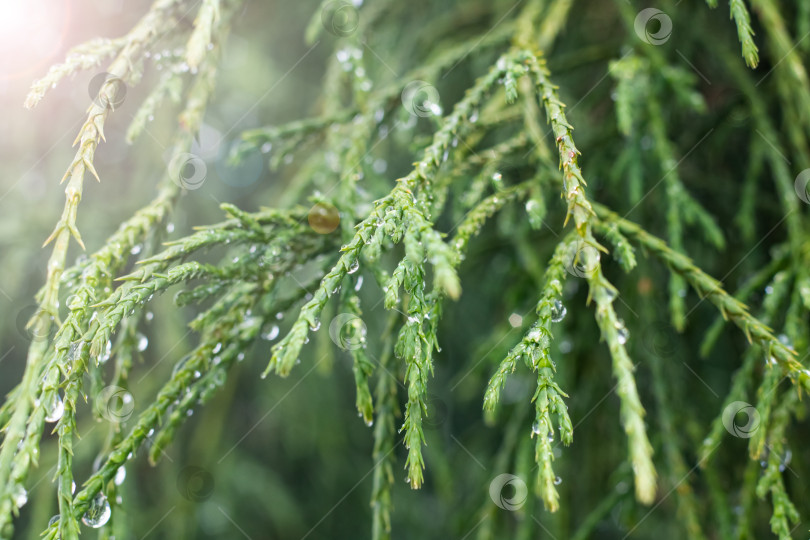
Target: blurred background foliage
column 287, row 457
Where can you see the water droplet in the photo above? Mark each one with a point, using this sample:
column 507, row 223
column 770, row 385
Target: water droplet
column 99, row 512
column 279, row 316
column 271, row 334
column 217, row 348
column 534, row 334
column 558, row 311
column 609, row 293
column 622, row 334
column 359, row 284
column 53, row 521
column 120, row 476
column 497, row 177
column 72, row 487
column 786, row 459
column 369, row 423
column 136, row 249
column 105, row 355
column 354, row 267
column 315, row 326
column 557, row 481
column 535, row 429
column 54, row 409
column 74, row 352
column 149, row 316
column 20, row 496
column 143, row 342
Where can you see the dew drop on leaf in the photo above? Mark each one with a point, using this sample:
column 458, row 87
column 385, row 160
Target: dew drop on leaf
column 271, row 334
column 558, row 311
column 106, row 353
column 622, row 335
column 99, row 512
column 120, row 476
column 54, row 409
column 143, row 342
column 20, row 496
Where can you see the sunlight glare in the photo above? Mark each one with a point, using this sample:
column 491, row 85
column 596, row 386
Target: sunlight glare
column 31, row 32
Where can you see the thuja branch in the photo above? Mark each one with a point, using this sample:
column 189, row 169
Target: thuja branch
column 93, row 278
column 585, row 252
column 711, row 289
column 534, row 349
column 386, row 218
column 13, row 474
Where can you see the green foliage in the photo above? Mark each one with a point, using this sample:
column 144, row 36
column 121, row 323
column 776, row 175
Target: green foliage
column 479, row 198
